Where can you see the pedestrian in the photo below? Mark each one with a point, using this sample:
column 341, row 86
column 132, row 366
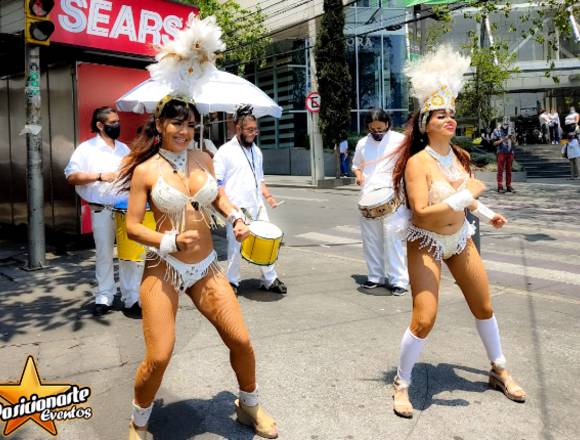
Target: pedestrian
column 93, row 168
column 502, row 140
column 437, row 180
column 571, row 151
column 343, row 151
column 182, row 191
column 554, row 126
column 239, row 169
column 373, row 166
column 545, row 121
column 572, row 121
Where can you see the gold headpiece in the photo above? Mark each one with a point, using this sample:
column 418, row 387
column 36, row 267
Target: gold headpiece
column 167, row 98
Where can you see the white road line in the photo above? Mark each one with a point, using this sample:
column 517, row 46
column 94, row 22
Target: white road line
column 558, row 276
column 518, row 255
column 348, row 229
column 504, row 236
column 301, row 199
column 327, row 239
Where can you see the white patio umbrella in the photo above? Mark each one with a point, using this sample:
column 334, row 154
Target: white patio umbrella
column 222, row 92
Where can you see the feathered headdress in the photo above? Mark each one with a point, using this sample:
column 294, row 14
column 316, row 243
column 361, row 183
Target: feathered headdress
column 436, row 80
column 189, row 58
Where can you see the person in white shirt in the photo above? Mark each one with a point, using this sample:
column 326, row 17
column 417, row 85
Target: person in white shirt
column 554, row 126
column 93, row 169
column 343, row 151
column 239, row 171
column 373, row 167
column 571, row 121
column 545, row 120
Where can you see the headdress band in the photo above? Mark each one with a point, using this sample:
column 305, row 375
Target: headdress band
column 167, row 98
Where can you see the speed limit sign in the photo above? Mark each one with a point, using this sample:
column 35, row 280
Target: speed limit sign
column 313, row 102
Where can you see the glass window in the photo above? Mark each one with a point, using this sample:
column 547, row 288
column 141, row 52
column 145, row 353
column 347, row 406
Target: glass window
column 369, row 69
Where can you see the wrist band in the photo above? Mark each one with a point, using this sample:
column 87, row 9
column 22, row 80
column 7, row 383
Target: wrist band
column 483, row 212
column 168, row 243
column 235, row 215
column 459, row 201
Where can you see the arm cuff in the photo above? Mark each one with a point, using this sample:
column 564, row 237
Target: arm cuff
column 459, row 201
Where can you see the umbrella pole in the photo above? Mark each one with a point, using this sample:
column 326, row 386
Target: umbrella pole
column 201, row 132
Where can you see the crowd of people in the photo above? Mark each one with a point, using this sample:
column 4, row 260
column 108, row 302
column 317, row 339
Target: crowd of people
column 416, row 189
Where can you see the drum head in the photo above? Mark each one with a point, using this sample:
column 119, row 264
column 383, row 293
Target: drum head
column 376, row 197
column 265, row 229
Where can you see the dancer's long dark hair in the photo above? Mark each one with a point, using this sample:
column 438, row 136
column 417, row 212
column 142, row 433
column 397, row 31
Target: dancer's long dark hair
column 148, row 140
column 414, row 142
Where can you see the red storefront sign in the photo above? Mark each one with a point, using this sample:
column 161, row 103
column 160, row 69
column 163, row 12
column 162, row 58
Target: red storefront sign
column 130, row 26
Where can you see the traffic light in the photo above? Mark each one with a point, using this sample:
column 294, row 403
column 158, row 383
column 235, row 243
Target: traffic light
column 38, row 27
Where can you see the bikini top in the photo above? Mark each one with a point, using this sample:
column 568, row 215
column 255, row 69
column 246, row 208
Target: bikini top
column 170, row 200
column 440, row 188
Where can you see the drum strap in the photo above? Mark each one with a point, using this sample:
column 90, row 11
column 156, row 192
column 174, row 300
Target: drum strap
column 252, row 166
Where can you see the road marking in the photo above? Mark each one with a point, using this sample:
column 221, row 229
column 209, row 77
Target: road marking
column 528, row 254
column 301, row 199
column 327, row 239
column 559, row 276
column 348, row 229
column 504, row 236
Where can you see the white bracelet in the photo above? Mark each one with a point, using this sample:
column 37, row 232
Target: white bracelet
column 168, row 243
column 459, row 201
column 235, row 215
column 483, row 212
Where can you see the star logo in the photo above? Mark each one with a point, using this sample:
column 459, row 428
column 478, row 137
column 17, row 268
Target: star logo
column 30, row 399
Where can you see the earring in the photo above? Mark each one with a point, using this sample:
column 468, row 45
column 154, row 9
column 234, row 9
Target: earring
column 157, row 140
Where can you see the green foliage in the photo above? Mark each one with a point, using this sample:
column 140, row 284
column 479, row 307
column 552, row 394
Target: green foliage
column 244, row 31
column 493, row 67
column 334, row 83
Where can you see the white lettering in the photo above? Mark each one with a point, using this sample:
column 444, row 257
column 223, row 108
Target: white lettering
column 124, row 24
column 75, row 21
column 171, row 25
column 145, row 28
column 96, row 17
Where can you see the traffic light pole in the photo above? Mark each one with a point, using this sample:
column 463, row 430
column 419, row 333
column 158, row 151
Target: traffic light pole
column 34, row 179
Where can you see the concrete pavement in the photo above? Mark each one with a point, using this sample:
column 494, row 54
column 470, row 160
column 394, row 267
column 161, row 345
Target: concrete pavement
column 327, row 351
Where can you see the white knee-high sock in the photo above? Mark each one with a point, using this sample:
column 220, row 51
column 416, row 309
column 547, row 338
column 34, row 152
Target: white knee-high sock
column 249, row 399
column 489, row 333
column 140, row 416
column 411, row 348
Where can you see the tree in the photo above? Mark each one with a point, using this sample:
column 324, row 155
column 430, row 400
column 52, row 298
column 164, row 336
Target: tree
column 244, row 32
column 334, row 83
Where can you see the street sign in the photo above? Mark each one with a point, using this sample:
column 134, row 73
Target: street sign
column 313, row 102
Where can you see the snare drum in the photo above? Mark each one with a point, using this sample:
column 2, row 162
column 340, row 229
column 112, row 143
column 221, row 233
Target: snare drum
column 378, row 203
column 262, row 246
column 128, row 249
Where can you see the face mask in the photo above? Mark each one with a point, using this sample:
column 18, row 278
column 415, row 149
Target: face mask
column 113, row 131
column 378, row 136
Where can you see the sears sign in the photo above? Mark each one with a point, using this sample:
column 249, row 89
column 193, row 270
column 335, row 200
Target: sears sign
column 130, row 26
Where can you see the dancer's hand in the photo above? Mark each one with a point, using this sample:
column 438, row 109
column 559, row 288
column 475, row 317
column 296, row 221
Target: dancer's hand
column 241, row 230
column 498, row 221
column 187, row 240
column 475, row 187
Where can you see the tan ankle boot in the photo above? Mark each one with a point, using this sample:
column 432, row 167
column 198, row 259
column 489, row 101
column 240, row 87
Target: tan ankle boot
column 401, row 403
column 500, row 379
column 256, row 417
column 138, row 433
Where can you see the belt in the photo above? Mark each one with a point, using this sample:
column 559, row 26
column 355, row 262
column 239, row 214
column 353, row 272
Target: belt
column 97, row 207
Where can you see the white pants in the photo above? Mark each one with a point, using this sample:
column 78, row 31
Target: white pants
column 234, row 257
column 130, row 272
column 384, row 252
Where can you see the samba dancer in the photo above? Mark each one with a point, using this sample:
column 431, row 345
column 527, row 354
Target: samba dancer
column 437, row 180
column 93, row 168
column 182, row 191
column 239, row 169
column 372, row 165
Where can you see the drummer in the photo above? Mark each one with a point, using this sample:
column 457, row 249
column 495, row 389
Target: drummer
column 93, row 167
column 372, row 165
column 239, row 170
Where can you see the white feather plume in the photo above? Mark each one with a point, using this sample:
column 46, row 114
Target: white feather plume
column 185, row 61
column 444, row 67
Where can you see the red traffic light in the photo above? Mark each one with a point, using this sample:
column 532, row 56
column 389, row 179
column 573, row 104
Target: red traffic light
column 40, row 8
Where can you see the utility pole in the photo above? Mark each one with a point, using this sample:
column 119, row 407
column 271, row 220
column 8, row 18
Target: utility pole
column 34, row 180
column 316, row 151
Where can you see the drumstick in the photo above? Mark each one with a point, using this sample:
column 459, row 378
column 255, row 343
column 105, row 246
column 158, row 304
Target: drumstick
column 281, row 202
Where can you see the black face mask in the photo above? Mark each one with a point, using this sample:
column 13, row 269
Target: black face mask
column 378, row 136
column 113, row 130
